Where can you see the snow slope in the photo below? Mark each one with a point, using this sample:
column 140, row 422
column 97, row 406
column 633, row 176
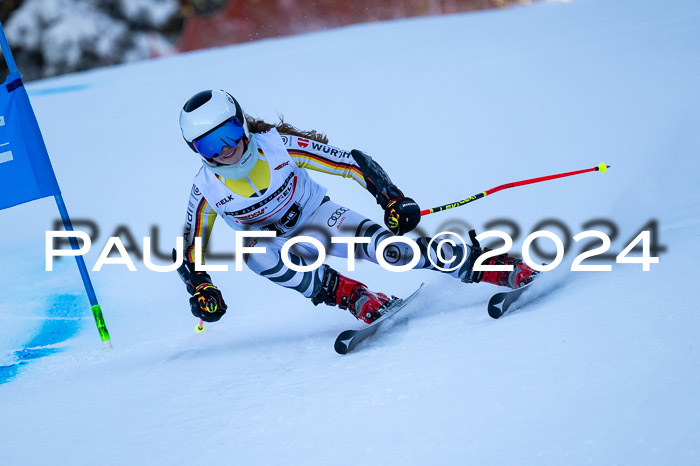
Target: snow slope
column 602, row 371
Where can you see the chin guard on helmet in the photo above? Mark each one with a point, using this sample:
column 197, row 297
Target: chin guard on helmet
column 235, row 172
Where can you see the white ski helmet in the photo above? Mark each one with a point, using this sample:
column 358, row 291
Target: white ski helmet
column 212, row 119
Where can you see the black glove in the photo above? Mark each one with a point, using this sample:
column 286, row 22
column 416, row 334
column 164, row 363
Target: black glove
column 207, row 303
column 401, row 215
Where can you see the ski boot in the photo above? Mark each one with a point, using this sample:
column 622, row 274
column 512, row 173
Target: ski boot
column 346, row 293
column 520, row 276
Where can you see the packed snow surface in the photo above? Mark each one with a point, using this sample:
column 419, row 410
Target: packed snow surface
column 602, row 370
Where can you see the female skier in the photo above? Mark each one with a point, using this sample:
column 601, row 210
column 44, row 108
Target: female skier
column 254, row 176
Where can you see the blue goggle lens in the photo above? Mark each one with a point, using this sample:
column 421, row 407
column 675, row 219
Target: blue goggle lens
column 229, row 133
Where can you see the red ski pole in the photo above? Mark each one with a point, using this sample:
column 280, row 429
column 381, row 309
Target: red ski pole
column 601, row 168
column 200, row 328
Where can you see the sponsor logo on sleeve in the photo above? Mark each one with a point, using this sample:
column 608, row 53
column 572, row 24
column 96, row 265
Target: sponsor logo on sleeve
column 332, row 151
column 188, row 222
column 335, row 216
column 303, row 143
column 392, row 254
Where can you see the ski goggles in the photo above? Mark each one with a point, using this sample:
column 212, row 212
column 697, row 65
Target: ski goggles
column 228, row 133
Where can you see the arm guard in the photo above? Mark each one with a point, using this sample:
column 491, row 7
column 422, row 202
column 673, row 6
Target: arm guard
column 378, row 182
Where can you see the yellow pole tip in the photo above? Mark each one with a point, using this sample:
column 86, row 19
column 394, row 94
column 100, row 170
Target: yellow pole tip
column 602, row 167
column 200, row 328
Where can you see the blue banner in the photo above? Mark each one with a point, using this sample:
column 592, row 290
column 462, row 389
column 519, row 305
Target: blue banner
column 25, row 169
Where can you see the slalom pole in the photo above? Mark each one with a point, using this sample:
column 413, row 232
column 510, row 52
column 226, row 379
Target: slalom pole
column 601, row 168
column 87, row 283
column 6, row 52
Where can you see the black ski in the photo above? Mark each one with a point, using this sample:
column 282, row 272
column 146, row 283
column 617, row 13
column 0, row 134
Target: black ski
column 506, row 302
column 501, row 303
column 348, row 339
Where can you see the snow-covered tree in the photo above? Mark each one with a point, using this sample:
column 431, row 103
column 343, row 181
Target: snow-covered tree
column 51, row 37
